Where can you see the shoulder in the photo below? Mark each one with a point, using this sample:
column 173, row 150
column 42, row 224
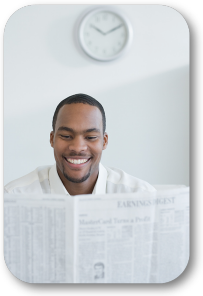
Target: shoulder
column 31, row 182
column 120, row 181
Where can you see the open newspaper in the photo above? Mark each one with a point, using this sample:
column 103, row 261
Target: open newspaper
column 114, row 238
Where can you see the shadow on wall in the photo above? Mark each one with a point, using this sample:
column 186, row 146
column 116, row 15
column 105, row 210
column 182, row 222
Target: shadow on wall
column 148, row 126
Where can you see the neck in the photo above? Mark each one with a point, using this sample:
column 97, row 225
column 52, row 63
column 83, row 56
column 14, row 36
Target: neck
column 85, row 187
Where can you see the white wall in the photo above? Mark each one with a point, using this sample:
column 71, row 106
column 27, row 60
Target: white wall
column 145, row 94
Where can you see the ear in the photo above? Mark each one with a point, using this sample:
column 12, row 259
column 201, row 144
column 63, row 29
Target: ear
column 52, row 139
column 105, row 141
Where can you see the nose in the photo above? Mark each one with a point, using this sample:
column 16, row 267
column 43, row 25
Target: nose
column 78, row 144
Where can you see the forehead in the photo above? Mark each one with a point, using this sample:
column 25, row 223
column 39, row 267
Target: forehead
column 98, row 267
column 79, row 116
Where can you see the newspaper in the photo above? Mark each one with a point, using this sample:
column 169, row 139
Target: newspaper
column 113, row 238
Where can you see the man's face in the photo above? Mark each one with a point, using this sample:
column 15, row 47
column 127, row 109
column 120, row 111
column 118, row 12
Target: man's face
column 98, row 271
column 78, row 141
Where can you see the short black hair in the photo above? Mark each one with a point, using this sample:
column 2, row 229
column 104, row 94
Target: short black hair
column 80, row 98
column 99, row 264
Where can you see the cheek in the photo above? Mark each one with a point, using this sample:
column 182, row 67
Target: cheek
column 97, row 148
column 59, row 147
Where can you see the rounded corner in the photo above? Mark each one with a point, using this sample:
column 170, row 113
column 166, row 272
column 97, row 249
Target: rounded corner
column 11, row 279
column 189, row 16
column 12, row 11
column 181, row 278
column 6, row 272
column 183, row 272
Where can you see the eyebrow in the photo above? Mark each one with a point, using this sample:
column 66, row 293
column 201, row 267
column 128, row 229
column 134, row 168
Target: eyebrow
column 68, row 129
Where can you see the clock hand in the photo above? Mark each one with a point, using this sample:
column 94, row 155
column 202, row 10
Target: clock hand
column 97, row 29
column 113, row 29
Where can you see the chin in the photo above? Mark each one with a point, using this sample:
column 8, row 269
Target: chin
column 76, row 179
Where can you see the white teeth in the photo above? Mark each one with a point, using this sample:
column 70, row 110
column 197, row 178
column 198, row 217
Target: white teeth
column 77, row 161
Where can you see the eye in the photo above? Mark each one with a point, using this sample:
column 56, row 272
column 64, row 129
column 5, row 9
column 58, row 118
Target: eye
column 66, row 137
column 91, row 138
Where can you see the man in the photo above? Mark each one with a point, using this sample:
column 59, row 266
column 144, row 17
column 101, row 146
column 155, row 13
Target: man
column 78, row 139
column 98, row 270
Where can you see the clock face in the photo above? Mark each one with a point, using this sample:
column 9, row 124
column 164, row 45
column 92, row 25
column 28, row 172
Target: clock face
column 104, row 34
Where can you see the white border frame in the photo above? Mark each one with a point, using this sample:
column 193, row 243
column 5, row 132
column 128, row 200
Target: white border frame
column 128, row 28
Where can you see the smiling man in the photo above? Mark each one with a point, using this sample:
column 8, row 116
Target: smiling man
column 78, row 139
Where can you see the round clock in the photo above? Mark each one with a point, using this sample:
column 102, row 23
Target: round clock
column 105, row 33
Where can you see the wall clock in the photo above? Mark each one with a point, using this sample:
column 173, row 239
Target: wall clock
column 105, row 33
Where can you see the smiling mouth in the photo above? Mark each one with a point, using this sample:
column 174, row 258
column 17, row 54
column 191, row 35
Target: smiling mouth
column 77, row 161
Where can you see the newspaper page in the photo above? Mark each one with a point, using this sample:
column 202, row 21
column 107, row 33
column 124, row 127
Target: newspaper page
column 170, row 246
column 119, row 238
column 131, row 238
column 37, row 248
